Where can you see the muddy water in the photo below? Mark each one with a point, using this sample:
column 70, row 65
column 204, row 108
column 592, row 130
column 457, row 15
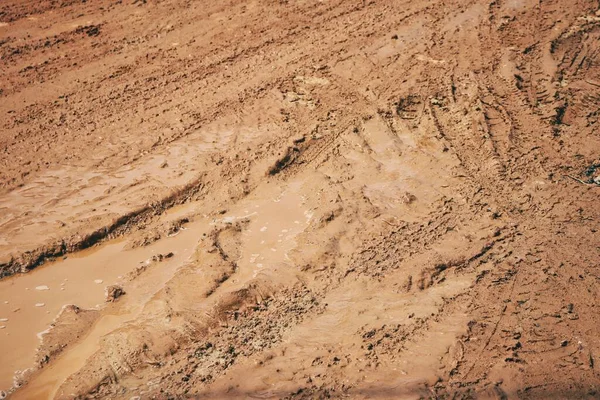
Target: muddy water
column 138, row 292
column 29, row 303
column 275, row 217
column 81, row 280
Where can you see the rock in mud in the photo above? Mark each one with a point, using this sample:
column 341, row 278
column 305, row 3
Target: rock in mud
column 113, row 292
column 161, row 257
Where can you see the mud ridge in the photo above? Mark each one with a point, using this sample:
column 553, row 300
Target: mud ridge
column 29, row 260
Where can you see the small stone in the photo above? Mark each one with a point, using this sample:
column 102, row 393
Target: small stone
column 42, row 287
column 98, row 281
column 564, row 343
column 113, row 292
column 570, row 308
column 517, row 335
column 2, row 326
column 40, row 304
column 408, row 198
column 3, row 319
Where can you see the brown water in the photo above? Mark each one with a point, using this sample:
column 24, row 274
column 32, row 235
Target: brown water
column 275, row 217
column 29, row 303
column 110, row 264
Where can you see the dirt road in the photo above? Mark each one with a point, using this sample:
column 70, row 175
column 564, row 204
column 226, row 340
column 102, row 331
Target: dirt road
column 299, row 199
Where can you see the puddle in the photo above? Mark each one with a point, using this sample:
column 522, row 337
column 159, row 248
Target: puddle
column 30, row 302
column 81, row 280
column 275, row 216
column 271, row 232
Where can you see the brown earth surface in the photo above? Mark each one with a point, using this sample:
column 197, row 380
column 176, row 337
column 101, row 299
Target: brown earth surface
column 299, row 199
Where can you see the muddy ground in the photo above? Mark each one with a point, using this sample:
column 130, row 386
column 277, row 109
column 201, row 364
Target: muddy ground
column 300, row 199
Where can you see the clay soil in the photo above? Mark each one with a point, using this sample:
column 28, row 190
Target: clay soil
column 300, row 199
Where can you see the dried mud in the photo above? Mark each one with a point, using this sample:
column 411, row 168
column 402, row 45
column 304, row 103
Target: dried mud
column 299, row 199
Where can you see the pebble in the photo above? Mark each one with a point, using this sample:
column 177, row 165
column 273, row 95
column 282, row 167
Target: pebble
column 42, row 287
column 3, row 319
column 263, row 229
column 40, row 304
column 2, row 326
column 98, row 281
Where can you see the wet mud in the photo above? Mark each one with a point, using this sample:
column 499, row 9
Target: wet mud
column 298, row 200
